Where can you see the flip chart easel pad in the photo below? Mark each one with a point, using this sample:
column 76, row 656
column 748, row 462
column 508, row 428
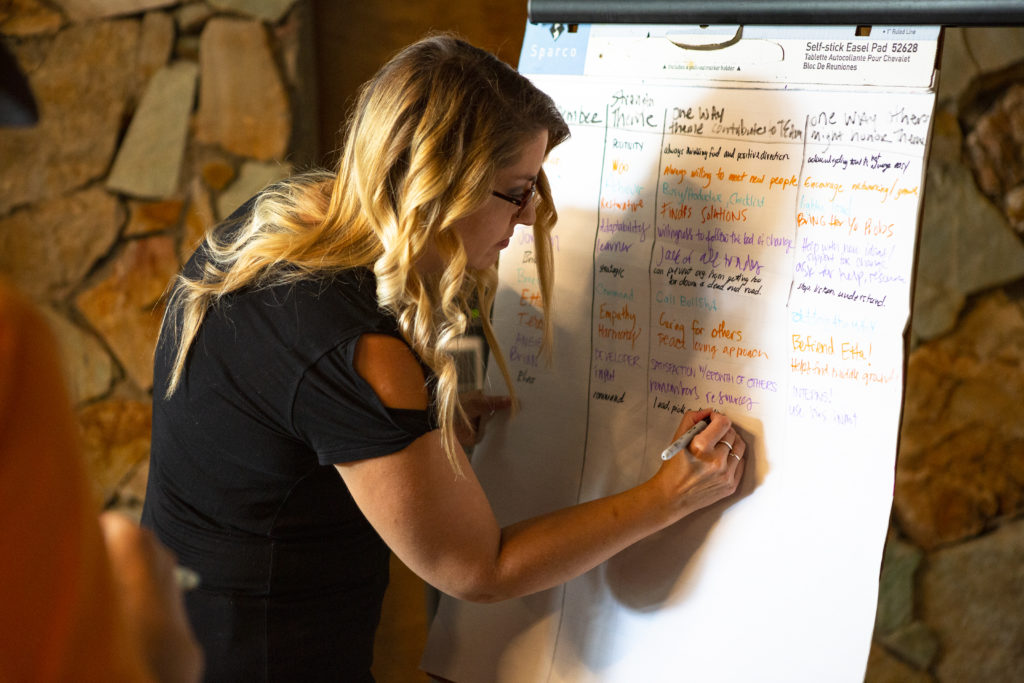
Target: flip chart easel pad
column 737, row 232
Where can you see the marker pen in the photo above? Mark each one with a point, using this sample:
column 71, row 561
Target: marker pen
column 684, row 441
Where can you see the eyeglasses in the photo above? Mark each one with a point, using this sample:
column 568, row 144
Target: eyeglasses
column 521, row 202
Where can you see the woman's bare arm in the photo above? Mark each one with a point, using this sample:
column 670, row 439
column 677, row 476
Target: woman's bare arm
column 442, row 527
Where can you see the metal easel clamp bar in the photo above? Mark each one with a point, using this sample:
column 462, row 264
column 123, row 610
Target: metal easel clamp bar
column 780, row 12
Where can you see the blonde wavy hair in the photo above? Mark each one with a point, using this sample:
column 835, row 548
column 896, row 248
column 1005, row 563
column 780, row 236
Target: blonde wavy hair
column 424, row 142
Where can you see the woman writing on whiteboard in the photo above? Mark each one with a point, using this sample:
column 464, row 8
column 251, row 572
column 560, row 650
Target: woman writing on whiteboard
column 306, row 417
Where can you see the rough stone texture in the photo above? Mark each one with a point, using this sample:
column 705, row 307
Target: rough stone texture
column 914, row 643
column 996, row 149
column 268, row 10
column 131, row 494
column 72, row 144
column 884, row 668
column 191, row 18
column 995, row 47
column 199, row 218
column 995, row 144
column 1013, row 204
column 243, row 106
column 961, row 461
column 217, row 173
column 148, row 163
column 252, row 178
column 27, row 17
column 187, row 47
column 156, row 40
column 296, row 45
column 958, row 67
column 88, row 368
column 965, row 245
column 149, row 217
column 896, row 586
column 46, row 249
column 87, row 10
column 115, row 437
column 59, row 228
column 973, row 596
column 126, row 306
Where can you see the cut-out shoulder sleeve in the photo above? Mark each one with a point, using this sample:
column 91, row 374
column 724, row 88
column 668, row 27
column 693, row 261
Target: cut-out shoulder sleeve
column 343, row 418
column 392, row 371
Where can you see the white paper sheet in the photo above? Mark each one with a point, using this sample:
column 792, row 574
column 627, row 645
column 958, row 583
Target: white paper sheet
column 737, row 233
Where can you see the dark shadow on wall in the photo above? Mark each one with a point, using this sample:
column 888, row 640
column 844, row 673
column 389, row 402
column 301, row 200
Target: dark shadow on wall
column 353, row 39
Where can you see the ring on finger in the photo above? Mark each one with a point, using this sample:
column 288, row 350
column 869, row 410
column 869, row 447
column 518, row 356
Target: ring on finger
column 726, row 443
column 735, row 455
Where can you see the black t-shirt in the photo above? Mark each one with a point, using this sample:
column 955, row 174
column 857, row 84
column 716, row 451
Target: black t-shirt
column 242, row 485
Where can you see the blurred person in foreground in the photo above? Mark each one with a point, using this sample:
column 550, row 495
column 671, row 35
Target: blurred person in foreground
column 80, row 599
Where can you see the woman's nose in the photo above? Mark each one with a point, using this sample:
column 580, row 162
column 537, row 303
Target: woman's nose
column 528, row 215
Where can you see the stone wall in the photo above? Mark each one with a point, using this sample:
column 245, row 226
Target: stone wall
column 158, row 117
column 952, row 582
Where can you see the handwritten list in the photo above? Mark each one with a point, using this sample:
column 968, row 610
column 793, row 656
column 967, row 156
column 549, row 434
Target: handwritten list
column 744, row 249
